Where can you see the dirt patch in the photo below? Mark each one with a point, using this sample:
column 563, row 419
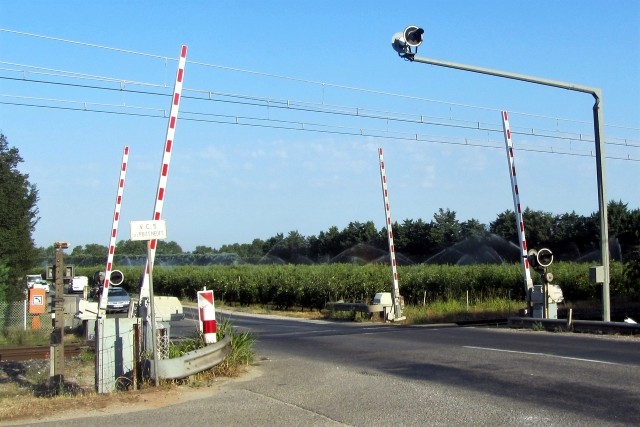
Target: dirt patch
column 25, row 397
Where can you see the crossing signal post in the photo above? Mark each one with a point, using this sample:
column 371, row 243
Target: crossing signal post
column 57, row 336
column 546, row 296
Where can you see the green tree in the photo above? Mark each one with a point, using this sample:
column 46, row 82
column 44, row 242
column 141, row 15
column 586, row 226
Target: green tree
column 401, row 236
column 201, row 250
column 473, row 229
column 505, row 226
column 256, row 249
column 49, row 252
column 295, row 246
column 414, row 238
column 96, row 250
column 18, row 218
column 131, row 247
column 357, row 232
column 77, row 251
column 539, row 228
column 329, row 243
column 618, row 218
column 168, row 248
column 4, row 281
column 446, row 229
column 573, row 235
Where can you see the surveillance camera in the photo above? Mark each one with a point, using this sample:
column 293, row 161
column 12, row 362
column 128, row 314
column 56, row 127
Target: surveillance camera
column 410, row 38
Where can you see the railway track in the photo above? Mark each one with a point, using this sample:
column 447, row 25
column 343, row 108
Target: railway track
column 37, row 352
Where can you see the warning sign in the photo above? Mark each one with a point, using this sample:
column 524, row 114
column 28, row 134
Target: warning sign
column 37, row 301
column 148, row 230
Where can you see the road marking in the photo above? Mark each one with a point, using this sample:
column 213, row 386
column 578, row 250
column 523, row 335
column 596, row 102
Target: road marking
column 291, row 333
column 541, row 354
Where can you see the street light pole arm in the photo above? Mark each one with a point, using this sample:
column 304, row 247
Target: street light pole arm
column 515, row 76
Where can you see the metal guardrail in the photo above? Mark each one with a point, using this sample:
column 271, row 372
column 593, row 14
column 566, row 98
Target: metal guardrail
column 591, row 326
column 193, row 362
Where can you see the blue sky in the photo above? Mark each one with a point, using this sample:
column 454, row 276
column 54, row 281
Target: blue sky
column 332, row 63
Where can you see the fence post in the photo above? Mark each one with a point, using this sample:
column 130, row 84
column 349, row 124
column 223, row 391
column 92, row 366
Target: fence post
column 24, row 315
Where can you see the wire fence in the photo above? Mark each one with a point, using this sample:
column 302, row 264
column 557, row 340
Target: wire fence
column 16, row 316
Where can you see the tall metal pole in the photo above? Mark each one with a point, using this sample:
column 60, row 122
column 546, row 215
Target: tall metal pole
column 154, row 328
column 57, row 336
column 598, row 125
column 598, row 118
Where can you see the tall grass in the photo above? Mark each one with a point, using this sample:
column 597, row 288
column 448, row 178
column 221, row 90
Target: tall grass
column 242, row 351
column 16, row 336
column 456, row 310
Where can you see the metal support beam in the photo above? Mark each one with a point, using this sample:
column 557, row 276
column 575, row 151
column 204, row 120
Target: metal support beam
column 598, row 119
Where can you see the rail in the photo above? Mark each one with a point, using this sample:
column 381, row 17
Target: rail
column 37, row 352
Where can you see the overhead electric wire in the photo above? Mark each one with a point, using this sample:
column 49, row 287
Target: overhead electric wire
column 323, row 108
column 301, row 106
column 309, row 127
column 306, row 81
column 358, row 112
column 93, row 45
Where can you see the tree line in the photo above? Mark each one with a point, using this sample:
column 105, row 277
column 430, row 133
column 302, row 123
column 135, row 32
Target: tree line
column 570, row 236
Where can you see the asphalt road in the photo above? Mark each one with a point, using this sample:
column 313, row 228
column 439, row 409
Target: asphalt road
column 316, row 373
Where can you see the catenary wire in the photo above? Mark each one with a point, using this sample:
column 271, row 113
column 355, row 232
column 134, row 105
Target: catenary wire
column 299, row 80
column 338, row 110
column 286, row 125
column 317, row 107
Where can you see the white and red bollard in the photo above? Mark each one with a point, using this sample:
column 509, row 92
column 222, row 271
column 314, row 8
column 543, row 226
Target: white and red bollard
column 207, row 315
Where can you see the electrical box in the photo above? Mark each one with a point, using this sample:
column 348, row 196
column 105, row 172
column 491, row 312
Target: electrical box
column 68, row 272
column 554, row 292
column 537, row 294
column 383, row 298
column 596, row 274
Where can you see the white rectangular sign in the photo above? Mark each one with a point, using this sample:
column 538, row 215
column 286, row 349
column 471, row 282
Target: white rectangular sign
column 148, row 230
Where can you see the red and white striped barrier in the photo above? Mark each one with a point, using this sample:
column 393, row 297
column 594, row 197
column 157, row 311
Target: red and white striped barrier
column 392, row 248
column 114, row 233
column 164, row 168
column 207, row 316
column 516, row 200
